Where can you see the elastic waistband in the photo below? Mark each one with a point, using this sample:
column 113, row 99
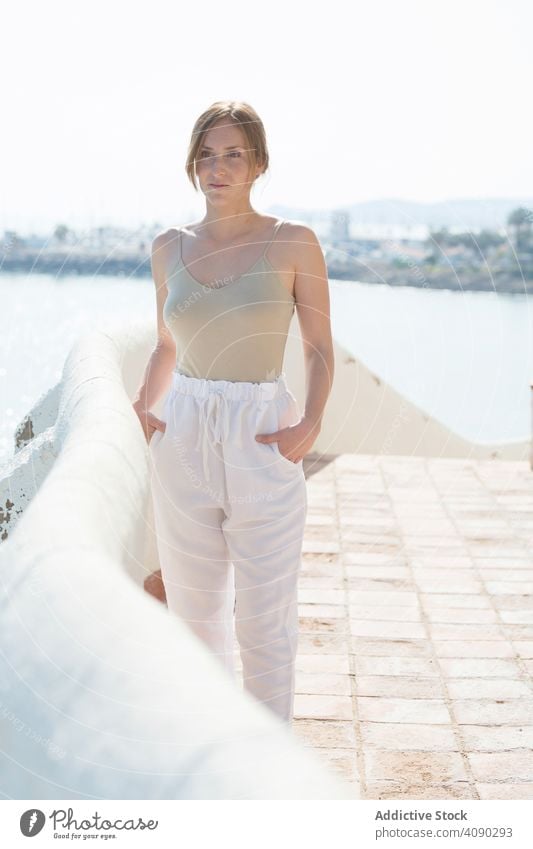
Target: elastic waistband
column 234, row 390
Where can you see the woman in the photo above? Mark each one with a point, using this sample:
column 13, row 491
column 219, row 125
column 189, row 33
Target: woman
column 228, row 485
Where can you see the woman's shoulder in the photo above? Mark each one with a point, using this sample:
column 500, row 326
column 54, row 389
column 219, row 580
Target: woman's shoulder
column 165, row 242
column 295, row 230
column 163, row 237
column 298, row 227
column 299, row 237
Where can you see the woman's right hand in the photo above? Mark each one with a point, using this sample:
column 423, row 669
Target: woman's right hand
column 149, row 423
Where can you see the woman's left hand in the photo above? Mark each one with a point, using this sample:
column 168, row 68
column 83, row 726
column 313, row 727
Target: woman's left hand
column 295, row 441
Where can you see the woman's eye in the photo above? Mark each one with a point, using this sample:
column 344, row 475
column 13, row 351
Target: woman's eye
column 205, row 155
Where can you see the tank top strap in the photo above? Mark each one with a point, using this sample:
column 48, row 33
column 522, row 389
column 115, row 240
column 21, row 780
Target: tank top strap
column 178, row 249
column 277, row 226
column 178, row 261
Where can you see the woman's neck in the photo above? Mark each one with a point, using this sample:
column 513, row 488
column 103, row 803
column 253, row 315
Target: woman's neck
column 223, row 227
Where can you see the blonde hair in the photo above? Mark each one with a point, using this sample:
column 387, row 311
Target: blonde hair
column 241, row 114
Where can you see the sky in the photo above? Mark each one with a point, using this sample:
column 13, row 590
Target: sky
column 418, row 100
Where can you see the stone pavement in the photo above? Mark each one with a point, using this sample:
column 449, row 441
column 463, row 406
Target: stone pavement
column 416, row 626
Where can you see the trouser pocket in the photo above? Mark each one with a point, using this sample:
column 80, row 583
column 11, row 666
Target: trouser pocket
column 287, row 414
column 155, row 439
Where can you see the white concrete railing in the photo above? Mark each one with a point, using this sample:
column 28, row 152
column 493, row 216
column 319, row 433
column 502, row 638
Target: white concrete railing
column 103, row 693
column 364, row 415
column 84, row 639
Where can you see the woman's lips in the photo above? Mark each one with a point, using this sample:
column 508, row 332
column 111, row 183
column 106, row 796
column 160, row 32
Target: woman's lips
column 217, row 185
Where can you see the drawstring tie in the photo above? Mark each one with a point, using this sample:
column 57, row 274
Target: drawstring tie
column 217, row 403
column 214, row 419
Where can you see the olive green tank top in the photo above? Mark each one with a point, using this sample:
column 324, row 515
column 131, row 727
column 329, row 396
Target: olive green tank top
column 235, row 329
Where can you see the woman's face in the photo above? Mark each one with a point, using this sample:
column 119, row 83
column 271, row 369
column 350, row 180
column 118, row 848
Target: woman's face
column 223, row 160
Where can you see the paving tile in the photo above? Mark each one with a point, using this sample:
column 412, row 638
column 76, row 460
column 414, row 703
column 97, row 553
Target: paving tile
column 408, row 666
column 518, row 632
column 319, row 517
column 367, row 628
column 486, row 712
column 323, row 625
column 384, row 598
column 479, row 667
column 510, row 563
column 323, row 643
column 374, row 559
column 505, row 791
column 508, row 575
column 442, row 561
column 524, row 648
column 455, row 601
column 322, row 707
column 326, row 546
column 507, row 554
column 493, row 688
column 508, row 587
column 461, row 615
column 330, row 582
column 414, row 767
column 420, row 527
column 425, row 711
column 517, row 617
column 352, row 537
column 448, row 576
column 404, row 737
column 383, row 612
column 478, row 738
column 328, row 611
column 327, row 733
column 513, row 602
column 353, row 571
column 379, row 585
column 335, row 663
column 320, row 534
column 462, row 648
column 323, row 684
column 390, row 648
column 453, row 585
column 465, row 632
column 429, row 545
column 396, row 790
column 318, row 567
column 399, row 687
column 502, row 766
column 319, row 595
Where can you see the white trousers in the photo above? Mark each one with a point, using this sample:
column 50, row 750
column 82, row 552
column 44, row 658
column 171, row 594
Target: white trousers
column 229, row 517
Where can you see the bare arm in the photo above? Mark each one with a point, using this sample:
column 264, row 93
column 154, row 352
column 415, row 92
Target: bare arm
column 158, row 372
column 313, row 310
column 312, row 306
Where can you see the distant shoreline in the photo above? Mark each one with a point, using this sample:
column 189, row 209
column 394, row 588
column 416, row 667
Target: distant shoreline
column 423, row 277
column 419, row 276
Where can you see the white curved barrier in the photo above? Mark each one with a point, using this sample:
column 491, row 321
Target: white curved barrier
column 103, row 693
column 365, row 415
